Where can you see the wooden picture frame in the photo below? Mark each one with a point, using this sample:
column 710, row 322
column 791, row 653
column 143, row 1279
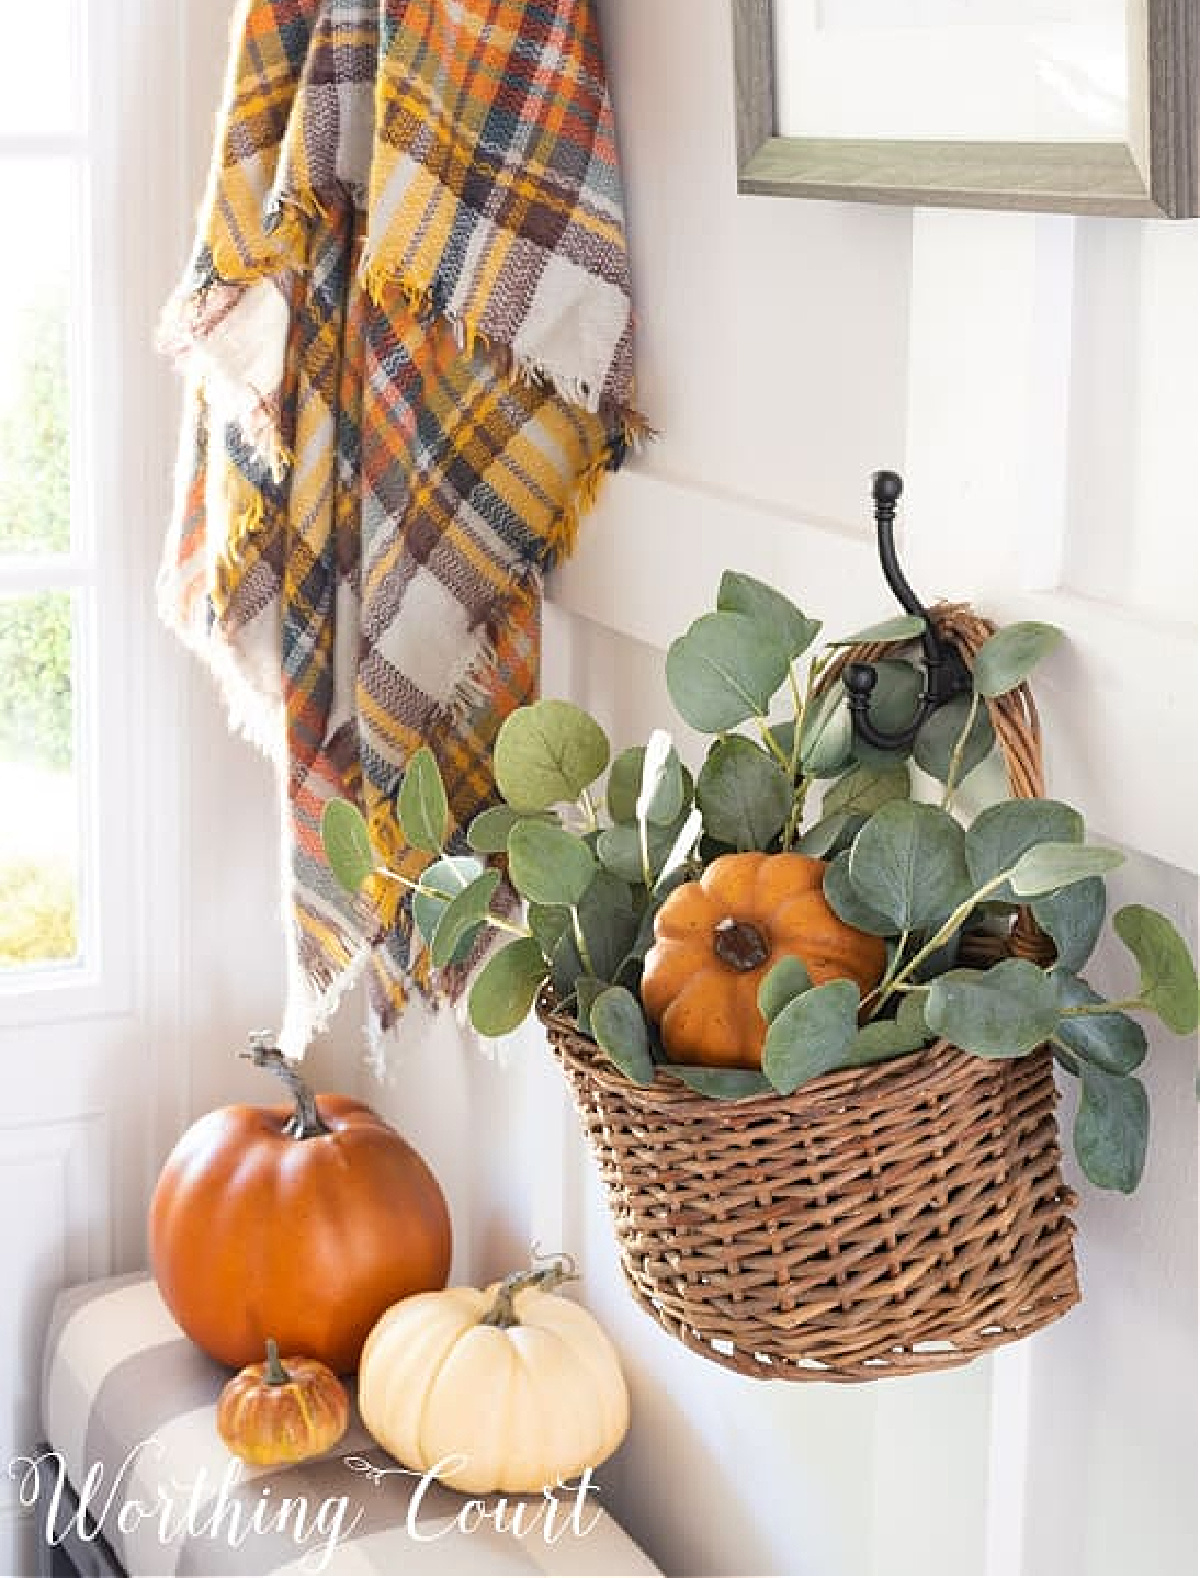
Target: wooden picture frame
column 1152, row 176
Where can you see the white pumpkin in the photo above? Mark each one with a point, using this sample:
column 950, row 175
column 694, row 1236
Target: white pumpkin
column 509, row 1388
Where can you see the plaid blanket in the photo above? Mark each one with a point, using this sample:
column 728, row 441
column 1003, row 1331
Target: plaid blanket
column 405, row 330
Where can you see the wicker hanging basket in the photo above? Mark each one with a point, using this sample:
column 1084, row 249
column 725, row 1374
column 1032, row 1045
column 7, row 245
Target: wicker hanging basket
column 888, row 1220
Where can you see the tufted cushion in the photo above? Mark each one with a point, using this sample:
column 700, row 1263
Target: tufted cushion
column 128, row 1407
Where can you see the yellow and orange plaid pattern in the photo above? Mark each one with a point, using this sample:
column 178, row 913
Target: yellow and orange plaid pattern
column 405, row 327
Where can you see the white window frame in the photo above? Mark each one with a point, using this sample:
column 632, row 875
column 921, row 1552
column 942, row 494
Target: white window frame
column 118, row 428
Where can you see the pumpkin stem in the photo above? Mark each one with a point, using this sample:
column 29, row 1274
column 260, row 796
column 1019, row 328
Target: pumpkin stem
column 545, row 1278
column 739, row 944
column 274, row 1374
column 306, row 1122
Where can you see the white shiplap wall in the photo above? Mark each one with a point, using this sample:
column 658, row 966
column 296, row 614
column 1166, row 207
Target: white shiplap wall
column 1035, row 380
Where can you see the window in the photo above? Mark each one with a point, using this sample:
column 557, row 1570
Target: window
column 47, row 548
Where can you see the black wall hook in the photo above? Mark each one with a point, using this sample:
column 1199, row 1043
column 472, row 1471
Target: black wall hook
column 946, row 674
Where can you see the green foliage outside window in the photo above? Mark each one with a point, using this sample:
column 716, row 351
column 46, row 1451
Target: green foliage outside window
column 35, row 505
column 38, row 920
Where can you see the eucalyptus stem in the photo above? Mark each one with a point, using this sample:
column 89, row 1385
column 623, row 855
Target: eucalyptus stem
column 957, row 754
column 943, row 934
column 796, row 813
column 591, row 816
column 581, row 942
column 892, row 972
column 1083, row 1010
column 498, row 921
column 801, row 784
column 772, row 743
column 799, row 707
column 643, row 826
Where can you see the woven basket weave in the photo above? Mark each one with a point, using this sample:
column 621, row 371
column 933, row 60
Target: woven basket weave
column 881, row 1221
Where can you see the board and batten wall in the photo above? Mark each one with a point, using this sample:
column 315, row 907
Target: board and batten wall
column 1034, row 379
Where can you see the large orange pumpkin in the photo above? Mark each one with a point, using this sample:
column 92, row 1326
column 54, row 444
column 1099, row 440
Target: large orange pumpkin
column 715, row 940
column 301, row 1223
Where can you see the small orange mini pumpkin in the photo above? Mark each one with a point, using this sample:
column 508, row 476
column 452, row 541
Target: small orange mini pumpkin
column 716, row 938
column 282, row 1413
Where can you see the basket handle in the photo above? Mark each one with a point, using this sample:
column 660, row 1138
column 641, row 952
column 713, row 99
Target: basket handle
column 1014, row 715
column 1016, row 724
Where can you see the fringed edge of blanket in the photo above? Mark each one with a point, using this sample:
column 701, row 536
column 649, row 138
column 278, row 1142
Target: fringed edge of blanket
column 382, row 280
column 190, row 320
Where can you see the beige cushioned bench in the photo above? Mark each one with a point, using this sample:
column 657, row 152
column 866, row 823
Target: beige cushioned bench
column 127, row 1409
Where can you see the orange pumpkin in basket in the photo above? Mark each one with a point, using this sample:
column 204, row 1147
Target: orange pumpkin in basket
column 716, row 939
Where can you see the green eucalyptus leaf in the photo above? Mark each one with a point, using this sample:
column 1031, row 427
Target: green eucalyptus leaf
column 999, row 836
column 625, row 784
column 864, row 790
column 1003, row 1012
column 723, row 671
column 548, row 865
column 619, row 849
column 725, row 1084
column 811, row 1035
column 786, row 979
column 792, row 630
column 1072, row 918
column 938, row 737
column 422, row 809
column 504, row 990
column 1112, row 1125
column 441, row 883
column 587, row 990
column 1048, row 867
column 676, row 868
column 547, row 922
column 488, row 832
column 609, row 922
column 743, row 794
column 1169, row 984
column 548, row 753
column 1011, row 655
column 661, row 795
column 907, row 863
column 831, row 835
column 827, row 738
column 910, row 1016
column 461, row 920
column 1110, row 1041
column 783, row 734
column 619, row 1027
column 566, row 967
column 347, row 842
column 883, row 1040
column 904, row 627
column 848, row 904
column 609, row 925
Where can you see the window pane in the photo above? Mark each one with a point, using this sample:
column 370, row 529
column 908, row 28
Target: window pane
column 39, row 815
column 39, row 81
column 35, row 464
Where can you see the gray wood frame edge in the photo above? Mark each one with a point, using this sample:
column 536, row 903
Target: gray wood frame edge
column 1080, row 178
